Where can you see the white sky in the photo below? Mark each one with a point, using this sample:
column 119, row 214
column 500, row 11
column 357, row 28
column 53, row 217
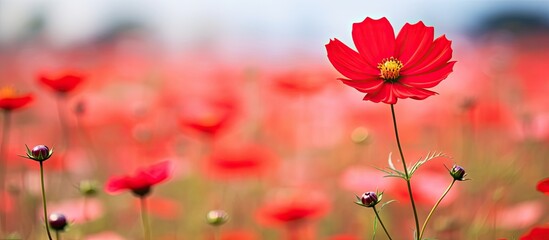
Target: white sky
column 231, row 23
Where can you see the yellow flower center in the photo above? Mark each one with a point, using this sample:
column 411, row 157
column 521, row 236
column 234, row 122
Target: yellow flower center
column 7, row 92
column 389, row 68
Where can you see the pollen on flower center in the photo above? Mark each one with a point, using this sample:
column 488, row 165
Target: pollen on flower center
column 389, row 68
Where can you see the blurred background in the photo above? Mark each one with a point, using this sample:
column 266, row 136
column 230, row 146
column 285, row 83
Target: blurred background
column 241, row 98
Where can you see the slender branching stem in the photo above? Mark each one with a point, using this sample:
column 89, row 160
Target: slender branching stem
column 44, row 200
column 434, row 208
column 405, row 171
column 380, row 222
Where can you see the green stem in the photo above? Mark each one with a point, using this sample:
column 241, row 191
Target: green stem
column 44, row 200
column 57, row 235
column 64, row 126
column 217, row 233
column 405, row 172
column 434, row 208
column 3, row 165
column 382, row 225
column 145, row 219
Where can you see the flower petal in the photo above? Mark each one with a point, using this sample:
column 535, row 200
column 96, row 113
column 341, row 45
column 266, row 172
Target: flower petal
column 155, row 173
column 365, row 86
column 413, row 41
column 402, row 91
column 438, row 54
column 348, row 62
column 543, row 186
column 116, row 184
column 374, row 40
column 385, row 94
column 428, row 79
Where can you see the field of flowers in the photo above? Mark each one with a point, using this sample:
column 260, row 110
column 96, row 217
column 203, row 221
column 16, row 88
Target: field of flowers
column 140, row 144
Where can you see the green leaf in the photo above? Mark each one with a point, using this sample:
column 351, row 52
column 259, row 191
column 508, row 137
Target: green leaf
column 421, row 161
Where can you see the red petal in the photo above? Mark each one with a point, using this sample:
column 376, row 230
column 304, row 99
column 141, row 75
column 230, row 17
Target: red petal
column 116, row 184
column 438, row 54
column 402, row 91
column 65, row 82
column 374, row 40
column 155, row 173
column 365, row 86
column 385, row 94
column 413, row 41
column 348, row 62
column 428, row 79
column 543, row 186
column 537, row 233
column 11, row 103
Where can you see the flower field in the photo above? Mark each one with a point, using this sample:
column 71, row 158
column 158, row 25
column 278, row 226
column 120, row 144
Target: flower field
column 396, row 131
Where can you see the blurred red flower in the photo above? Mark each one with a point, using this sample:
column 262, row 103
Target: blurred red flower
column 208, row 116
column 293, row 209
column 238, row 161
column 387, row 68
column 299, row 82
column 141, row 182
column 543, row 186
column 537, row 233
column 10, row 100
column 63, row 81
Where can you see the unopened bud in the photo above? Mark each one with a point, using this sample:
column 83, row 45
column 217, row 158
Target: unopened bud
column 217, row 217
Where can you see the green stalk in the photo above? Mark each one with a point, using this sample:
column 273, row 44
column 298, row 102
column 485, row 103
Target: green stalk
column 405, row 172
column 145, row 219
column 382, row 225
column 434, row 208
column 44, row 200
column 3, row 165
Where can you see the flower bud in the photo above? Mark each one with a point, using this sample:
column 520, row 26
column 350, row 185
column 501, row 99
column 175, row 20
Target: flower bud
column 57, row 221
column 217, row 217
column 360, row 135
column 369, row 199
column 458, row 173
column 39, row 153
column 88, row 188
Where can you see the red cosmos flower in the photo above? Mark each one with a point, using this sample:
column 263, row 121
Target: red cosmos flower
column 240, row 161
column 387, row 68
column 10, row 100
column 62, row 82
column 141, row 182
column 208, row 116
column 293, row 210
column 543, row 186
column 537, row 233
